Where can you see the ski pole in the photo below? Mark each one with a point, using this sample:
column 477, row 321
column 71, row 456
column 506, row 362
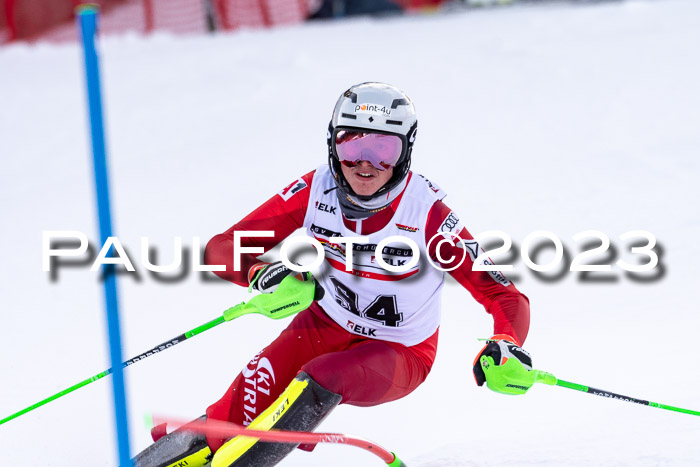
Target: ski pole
column 550, row 379
column 221, row 429
column 291, row 297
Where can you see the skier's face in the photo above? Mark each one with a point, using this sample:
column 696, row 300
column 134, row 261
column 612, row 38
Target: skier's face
column 365, row 179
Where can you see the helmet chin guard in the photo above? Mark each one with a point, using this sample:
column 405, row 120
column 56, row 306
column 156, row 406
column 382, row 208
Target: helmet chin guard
column 376, row 108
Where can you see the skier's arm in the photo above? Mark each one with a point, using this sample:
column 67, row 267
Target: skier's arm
column 282, row 214
column 510, row 308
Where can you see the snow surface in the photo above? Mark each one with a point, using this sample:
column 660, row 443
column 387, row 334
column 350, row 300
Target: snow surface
column 559, row 117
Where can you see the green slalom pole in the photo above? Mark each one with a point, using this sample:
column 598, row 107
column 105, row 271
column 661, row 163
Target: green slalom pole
column 291, row 297
column 550, row 379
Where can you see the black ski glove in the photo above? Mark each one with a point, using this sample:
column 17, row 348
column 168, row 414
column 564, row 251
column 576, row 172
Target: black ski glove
column 501, row 348
column 265, row 277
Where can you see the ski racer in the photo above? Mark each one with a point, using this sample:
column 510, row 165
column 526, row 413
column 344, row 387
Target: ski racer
column 372, row 337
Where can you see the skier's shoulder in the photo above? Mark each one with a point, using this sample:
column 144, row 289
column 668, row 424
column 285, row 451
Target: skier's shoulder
column 300, row 184
column 322, row 178
column 425, row 190
column 440, row 218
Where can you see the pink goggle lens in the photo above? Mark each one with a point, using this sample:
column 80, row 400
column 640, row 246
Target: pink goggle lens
column 382, row 151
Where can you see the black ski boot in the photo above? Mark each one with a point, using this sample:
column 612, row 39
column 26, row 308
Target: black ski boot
column 178, row 449
column 301, row 407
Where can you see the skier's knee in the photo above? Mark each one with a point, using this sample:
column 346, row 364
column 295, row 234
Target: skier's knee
column 330, row 377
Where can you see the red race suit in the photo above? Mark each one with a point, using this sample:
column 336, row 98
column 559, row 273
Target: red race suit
column 346, row 358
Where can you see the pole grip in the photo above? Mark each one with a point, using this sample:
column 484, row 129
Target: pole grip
column 234, row 312
column 545, row 378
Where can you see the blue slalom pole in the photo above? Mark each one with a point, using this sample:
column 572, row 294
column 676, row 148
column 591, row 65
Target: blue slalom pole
column 87, row 22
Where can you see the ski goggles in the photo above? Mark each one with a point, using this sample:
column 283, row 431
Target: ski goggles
column 383, row 151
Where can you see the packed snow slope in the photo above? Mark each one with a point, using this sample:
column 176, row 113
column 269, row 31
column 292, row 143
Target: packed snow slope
column 559, row 117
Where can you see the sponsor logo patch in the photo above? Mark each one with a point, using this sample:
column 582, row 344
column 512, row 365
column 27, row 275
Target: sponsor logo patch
column 373, row 109
column 475, row 250
column 329, row 244
column 357, row 329
column 293, row 188
column 258, row 379
column 407, row 228
column 325, row 232
column 389, row 261
column 325, row 208
column 451, row 224
column 433, row 187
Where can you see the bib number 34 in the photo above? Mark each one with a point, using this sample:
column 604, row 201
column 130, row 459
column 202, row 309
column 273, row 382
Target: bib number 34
column 382, row 309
